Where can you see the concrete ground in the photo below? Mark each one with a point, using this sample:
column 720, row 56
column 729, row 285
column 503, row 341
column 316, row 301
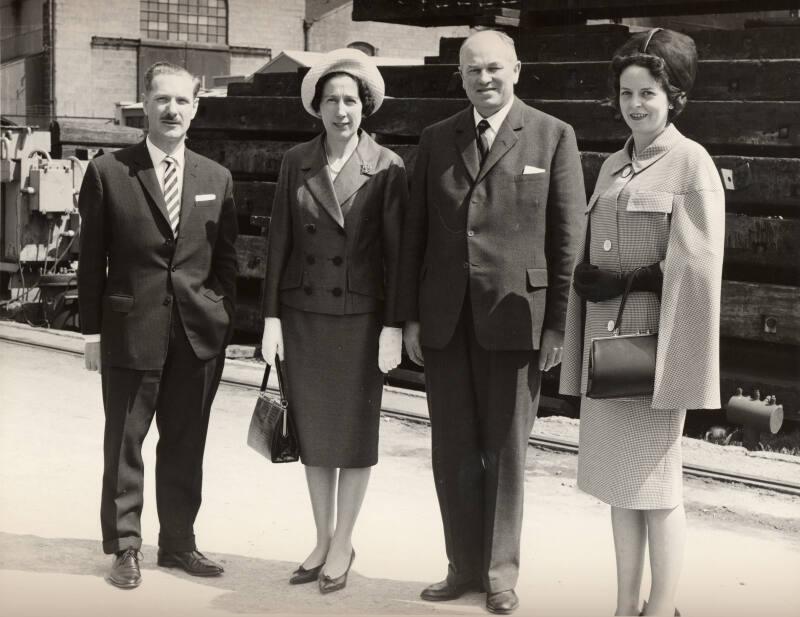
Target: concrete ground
column 742, row 558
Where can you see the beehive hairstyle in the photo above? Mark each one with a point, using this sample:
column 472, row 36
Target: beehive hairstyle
column 671, row 58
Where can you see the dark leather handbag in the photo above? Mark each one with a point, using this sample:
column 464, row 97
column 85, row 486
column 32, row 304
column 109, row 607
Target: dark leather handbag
column 622, row 365
column 272, row 433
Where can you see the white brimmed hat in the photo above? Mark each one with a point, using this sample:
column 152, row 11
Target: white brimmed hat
column 352, row 61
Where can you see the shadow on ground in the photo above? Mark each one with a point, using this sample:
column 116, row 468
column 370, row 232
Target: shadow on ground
column 249, row 585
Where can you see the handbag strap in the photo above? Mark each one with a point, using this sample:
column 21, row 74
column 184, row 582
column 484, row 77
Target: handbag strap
column 279, row 370
column 628, row 284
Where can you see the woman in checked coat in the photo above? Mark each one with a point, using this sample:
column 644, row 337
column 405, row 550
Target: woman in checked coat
column 657, row 212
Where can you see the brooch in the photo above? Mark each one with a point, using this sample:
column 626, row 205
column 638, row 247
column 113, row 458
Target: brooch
column 366, row 168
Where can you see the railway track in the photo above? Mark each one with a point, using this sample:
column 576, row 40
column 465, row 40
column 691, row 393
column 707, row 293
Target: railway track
column 73, row 346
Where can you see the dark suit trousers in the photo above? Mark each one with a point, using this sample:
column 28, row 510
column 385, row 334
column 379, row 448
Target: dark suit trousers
column 482, row 405
column 180, row 397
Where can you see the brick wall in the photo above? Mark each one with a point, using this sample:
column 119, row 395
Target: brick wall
column 336, row 29
column 277, row 24
column 84, row 85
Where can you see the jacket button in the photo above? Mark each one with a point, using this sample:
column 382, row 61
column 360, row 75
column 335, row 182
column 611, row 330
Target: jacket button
column 340, row 230
column 310, row 259
column 167, row 301
column 470, row 233
column 168, row 242
column 466, row 265
column 311, row 228
column 174, row 268
column 607, row 245
column 610, row 325
column 337, row 291
column 308, row 290
column 337, row 261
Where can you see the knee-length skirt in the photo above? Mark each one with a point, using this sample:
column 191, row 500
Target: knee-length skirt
column 334, row 386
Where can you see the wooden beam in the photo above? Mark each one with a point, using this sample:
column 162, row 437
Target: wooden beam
column 717, row 80
column 760, row 184
column 250, row 256
column 600, row 45
column 761, row 312
column 605, row 9
column 253, row 197
column 92, row 134
column 771, row 242
column 757, row 124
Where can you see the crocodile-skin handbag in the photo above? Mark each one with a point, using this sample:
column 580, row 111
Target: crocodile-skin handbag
column 622, row 365
column 272, row 433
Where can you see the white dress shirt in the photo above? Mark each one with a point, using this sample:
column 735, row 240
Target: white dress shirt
column 495, row 121
column 157, row 155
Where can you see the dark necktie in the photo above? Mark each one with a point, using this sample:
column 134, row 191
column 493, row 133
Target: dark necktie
column 483, row 140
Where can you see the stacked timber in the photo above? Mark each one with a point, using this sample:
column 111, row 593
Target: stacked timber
column 745, row 110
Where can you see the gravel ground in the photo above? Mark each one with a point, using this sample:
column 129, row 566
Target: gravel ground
column 743, row 549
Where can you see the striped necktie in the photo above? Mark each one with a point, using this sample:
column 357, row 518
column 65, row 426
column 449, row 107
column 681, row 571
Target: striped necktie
column 172, row 196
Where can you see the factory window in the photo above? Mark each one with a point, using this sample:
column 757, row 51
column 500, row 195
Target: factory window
column 203, row 21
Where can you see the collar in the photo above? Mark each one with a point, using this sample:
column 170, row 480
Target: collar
column 658, row 148
column 496, row 119
column 157, row 155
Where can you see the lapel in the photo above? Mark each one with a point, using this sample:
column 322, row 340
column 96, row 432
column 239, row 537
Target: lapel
column 505, row 140
column 318, row 180
column 356, row 171
column 147, row 176
column 466, row 142
column 190, row 161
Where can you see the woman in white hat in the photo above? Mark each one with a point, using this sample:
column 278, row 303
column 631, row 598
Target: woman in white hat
column 329, row 298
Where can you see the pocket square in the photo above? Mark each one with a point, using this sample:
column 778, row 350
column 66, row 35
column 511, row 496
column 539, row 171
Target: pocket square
column 530, row 169
column 207, row 197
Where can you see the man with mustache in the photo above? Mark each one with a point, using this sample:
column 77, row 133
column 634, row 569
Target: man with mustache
column 157, row 285
column 494, row 221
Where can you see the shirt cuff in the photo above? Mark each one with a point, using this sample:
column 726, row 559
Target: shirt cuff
column 91, row 338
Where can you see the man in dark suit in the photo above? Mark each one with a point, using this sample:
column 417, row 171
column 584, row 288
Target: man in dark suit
column 157, row 283
column 496, row 213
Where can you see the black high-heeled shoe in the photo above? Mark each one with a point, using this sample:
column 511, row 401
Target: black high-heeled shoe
column 329, row 585
column 302, row 576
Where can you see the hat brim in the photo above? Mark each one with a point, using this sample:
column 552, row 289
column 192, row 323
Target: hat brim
column 351, row 61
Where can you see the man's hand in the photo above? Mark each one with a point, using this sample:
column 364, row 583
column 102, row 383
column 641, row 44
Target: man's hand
column 272, row 340
column 550, row 349
column 411, row 339
column 390, row 348
column 91, row 356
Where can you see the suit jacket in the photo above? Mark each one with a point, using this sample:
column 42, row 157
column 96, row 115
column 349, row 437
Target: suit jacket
column 508, row 236
column 334, row 246
column 132, row 268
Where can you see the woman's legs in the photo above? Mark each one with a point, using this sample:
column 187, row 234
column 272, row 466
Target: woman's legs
column 322, row 490
column 629, row 530
column 352, row 488
column 666, row 534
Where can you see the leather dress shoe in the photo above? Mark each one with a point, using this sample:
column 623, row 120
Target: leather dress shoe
column 443, row 590
column 192, row 562
column 302, row 576
column 328, row 584
column 125, row 572
column 502, row 602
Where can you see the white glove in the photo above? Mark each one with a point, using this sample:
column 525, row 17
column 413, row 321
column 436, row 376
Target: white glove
column 390, row 348
column 272, row 340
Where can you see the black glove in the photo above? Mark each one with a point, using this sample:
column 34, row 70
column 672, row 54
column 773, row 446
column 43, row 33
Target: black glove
column 648, row 278
column 595, row 285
